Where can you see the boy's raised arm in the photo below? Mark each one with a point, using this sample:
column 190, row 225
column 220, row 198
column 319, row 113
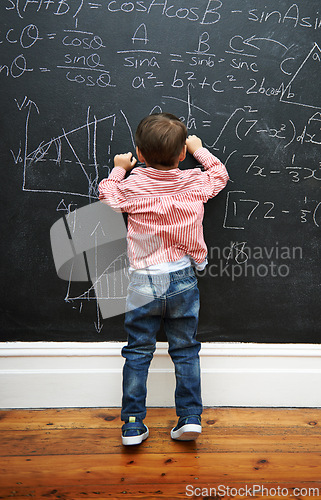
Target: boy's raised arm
column 215, row 175
column 110, row 191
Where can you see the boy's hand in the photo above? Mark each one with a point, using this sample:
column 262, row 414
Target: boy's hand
column 193, row 143
column 126, row 161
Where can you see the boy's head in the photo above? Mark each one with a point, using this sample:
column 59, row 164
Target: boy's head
column 161, row 139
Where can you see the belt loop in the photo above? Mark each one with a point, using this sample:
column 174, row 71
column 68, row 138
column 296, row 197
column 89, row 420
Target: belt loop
column 152, row 285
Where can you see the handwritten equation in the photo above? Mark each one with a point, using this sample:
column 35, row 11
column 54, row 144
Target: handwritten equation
column 241, row 211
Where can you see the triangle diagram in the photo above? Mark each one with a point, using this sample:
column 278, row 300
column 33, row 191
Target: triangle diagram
column 304, row 87
column 71, row 162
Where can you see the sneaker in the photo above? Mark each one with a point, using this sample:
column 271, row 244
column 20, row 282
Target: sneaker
column 134, row 432
column 187, row 428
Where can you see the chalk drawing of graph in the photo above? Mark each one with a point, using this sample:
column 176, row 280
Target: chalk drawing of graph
column 109, row 290
column 71, row 162
column 304, row 86
column 107, row 285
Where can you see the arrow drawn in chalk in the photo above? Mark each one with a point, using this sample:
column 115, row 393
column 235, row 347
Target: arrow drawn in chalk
column 254, row 38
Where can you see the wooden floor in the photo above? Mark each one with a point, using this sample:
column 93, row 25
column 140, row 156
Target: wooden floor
column 77, row 454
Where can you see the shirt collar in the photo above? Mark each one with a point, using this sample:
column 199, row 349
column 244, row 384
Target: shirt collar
column 154, row 173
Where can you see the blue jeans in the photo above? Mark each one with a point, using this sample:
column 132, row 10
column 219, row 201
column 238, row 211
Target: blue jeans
column 174, row 299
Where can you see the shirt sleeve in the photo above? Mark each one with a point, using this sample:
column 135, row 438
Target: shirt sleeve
column 215, row 176
column 111, row 190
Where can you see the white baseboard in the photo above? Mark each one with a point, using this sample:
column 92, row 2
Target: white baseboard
column 70, row 374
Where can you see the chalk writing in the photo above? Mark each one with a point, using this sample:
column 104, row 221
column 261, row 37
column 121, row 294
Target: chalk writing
column 55, row 7
column 240, row 212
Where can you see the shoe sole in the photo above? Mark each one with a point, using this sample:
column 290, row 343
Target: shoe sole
column 131, row 440
column 187, row 432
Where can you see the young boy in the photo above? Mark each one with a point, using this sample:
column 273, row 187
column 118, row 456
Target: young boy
column 165, row 241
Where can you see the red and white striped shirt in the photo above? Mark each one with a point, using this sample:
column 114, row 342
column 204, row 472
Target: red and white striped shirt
column 165, row 208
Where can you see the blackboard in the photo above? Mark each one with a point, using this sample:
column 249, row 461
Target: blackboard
column 76, row 78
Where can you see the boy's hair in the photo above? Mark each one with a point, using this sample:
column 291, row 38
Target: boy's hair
column 160, row 137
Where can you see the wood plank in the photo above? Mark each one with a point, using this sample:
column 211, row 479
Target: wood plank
column 64, row 418
column 164, row 491
column 100, row 441
column 306, row 418
column 141, row 468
